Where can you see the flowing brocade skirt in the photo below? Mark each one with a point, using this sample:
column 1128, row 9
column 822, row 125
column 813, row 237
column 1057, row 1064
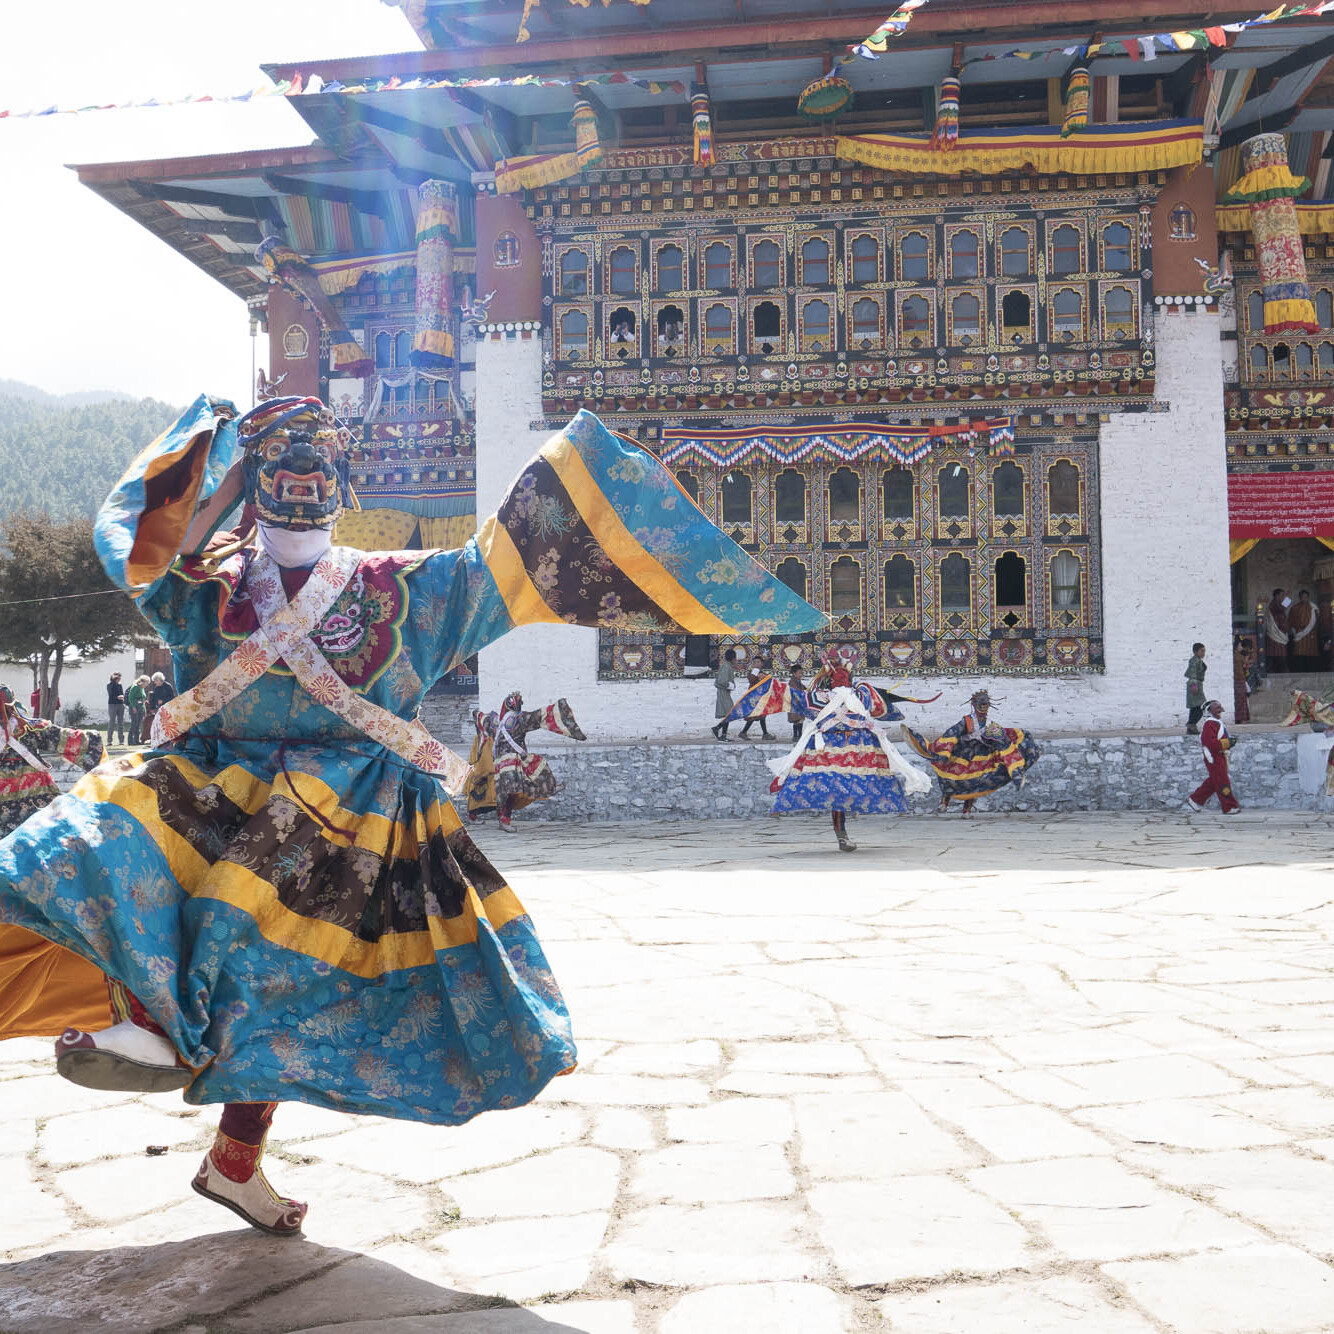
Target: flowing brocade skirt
column 850, row 772
column 967, row 767
column 325, row 934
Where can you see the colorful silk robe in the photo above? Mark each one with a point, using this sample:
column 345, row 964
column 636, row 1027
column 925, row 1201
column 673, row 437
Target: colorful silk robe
column 295, row 904
column 501, row 765
column 973, row 760
column 24, row 787
column 842, row 761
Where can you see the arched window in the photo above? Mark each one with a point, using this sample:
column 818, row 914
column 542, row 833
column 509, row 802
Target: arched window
column 719, row 335
column 897, row 484
column 1067, row 314
column 1281, row 359
column 574, row 334
column 815, row 262
column 767, row 327
column 1007, row 489
column 1015, row 259
column 1016, row 315
column 900, row 584
column 1011, row 581
column 793, row 573
column 1119, row 311
column 1305, row 361
column 736, row 498
column 1067, row 255
column 816, row 327
column 845, row 585
column 1326, row 357
column 966, row 316
column 671, row 267
column 1116, row 247
column 624, row 270
column 671, row 331
column 1063, row 489
column 574, row 273
column 915, row 316
column 621, row 326
column 866, row 260
column 402, row 348
column 845, row 496
column 384, row 351
column 965, row 255
column 1255, row 312
column 955, row 583
column 689, row 483
column 952, row 481
column 915, row 256
column 1065, row 591
column 718, row 265
column 1324, row 309
column 790, row 497
column 866, row 323
column 768, row 266
column 1259, row 363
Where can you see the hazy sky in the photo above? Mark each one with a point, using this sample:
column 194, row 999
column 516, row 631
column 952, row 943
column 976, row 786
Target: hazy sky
column 92, row 300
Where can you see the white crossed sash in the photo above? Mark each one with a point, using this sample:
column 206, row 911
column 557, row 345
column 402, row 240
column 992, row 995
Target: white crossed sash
column 13, row 743
column 284, row 635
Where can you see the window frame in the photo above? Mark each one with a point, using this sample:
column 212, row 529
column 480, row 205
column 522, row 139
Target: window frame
column 953, row 334
column 584, row 308
column 850, row 242
column 903, row 335
column 707, row 247
column 1025, row 229
column 804, row 341
column 563, row 253
column 1054, row 332
column 753, row 244
column 952, row 234
column 854, row 338
column 613, row 272
column 813, row 238
column 928, row 239
column 1132, row 245
column 680, row 248
column 1054, row 228
column 707, row 340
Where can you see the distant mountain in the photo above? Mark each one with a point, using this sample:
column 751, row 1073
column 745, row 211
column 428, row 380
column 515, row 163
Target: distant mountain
column 81, row 398
column 63, row 454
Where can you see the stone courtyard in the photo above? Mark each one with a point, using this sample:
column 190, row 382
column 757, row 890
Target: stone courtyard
column 1028, row 1073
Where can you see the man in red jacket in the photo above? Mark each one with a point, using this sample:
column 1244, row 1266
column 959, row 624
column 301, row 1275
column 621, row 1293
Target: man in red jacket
column 1216, row 742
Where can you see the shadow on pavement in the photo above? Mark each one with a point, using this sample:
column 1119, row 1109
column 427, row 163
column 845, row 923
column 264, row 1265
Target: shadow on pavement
column 242, row 1282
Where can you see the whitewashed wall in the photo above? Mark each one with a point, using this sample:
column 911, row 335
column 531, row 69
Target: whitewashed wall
column 1164, row 562
column 82, row 682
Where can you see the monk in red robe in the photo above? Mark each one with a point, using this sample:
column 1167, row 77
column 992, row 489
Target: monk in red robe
column 1276, row 633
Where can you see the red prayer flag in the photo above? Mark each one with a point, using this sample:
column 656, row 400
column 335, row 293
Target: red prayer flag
column 1131, row 46
column 1216, row 36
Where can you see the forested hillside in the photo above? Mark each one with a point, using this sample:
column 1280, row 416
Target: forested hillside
column 64, row 458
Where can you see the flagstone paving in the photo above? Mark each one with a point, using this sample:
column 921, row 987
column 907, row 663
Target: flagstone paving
column 1028, row 1073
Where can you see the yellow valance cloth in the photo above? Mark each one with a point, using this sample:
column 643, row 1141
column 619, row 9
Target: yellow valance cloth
column 1101, row 148
column 337, row 275
column 1315, row 219
column 393, row 530
column 531, row 173
column 1326, row 542
column 1275, row 182
column 1239, row 547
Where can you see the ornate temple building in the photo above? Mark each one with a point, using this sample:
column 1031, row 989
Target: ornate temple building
column 1008, row 341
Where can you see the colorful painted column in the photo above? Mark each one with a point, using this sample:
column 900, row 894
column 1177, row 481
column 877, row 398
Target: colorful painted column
column 437, row 229
column 1270, row 188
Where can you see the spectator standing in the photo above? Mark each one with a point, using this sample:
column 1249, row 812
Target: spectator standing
column 159, row 692
column 1276, row 632
column 1215, row 742
column 136, row 701
column 1195, row 670
column 1303, row 622
column 722, row 683
column 115, row 709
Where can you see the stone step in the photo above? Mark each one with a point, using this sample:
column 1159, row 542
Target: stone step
column 1270, row 704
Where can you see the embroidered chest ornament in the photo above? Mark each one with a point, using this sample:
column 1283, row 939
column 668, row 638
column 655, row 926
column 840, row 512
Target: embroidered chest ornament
column 295, row 464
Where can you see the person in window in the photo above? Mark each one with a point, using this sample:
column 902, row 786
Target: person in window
column 621, row 332
column 842, row 760
column 977, row 756
column 1215, row 742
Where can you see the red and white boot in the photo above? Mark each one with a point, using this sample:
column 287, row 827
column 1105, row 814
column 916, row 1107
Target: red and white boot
column 230, row 1174
column 132, row 1056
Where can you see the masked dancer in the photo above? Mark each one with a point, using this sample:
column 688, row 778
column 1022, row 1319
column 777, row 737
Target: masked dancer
column 279, row 892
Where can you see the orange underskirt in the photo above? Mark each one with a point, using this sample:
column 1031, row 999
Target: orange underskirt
column 45, row 989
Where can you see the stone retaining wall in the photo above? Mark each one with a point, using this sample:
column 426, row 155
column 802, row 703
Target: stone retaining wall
column 1271, row 771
